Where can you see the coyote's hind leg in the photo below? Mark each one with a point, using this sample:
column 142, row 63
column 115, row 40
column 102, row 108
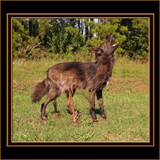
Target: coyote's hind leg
column 52, row 95
column 68, row 100
column 75, row 115
column 55, row 106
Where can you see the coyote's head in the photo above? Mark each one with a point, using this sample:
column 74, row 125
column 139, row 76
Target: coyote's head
column 107, row 48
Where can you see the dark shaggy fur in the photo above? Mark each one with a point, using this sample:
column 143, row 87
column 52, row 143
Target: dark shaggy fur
column 67, row 77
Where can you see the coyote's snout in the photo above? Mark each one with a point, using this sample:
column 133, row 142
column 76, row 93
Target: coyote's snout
column 69, row 76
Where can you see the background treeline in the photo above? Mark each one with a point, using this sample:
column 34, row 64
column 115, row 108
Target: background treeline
column 34, row 38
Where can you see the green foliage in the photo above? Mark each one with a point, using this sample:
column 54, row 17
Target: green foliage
column 20, row 35
column 68, row 40
column 35, row 38
column 137, row 39
column 104, row 30
column 26, row 39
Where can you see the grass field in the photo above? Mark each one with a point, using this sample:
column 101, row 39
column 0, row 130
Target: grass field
column 126, row 100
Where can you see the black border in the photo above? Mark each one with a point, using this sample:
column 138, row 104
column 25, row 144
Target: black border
column 58, row 144
column 65, row 7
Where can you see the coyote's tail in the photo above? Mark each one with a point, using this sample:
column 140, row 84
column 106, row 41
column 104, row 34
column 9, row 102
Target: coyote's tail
column 40, row 90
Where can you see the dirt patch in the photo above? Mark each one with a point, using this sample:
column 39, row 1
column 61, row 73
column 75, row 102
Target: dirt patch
column 35, row 123
column 110, row 136
column 136, row 139
column 21, row 85
column 130, row 138
column 18, row 85
column 126, row 85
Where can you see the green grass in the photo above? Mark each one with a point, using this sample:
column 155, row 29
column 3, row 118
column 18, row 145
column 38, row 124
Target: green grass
column 126, row 102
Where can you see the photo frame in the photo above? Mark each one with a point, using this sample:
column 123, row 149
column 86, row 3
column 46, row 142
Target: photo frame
column 44, row 150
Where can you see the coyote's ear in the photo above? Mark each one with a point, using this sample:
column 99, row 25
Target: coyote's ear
column 96, row 51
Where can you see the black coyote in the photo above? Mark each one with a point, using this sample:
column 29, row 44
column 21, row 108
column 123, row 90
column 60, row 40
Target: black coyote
column 69, row 76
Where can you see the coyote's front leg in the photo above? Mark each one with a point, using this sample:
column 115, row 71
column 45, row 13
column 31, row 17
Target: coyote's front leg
column 92, row 106
column 100, row 102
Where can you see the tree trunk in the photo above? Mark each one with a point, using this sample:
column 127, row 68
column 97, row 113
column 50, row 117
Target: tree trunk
column 31, row 27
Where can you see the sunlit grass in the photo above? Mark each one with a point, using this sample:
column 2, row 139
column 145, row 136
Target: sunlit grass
column 126, row 102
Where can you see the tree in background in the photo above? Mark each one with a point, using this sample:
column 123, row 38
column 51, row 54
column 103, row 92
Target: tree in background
column 105, row 27
column 136, row 44
column 40, row 37
column 26, row 38
column 63, row 36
